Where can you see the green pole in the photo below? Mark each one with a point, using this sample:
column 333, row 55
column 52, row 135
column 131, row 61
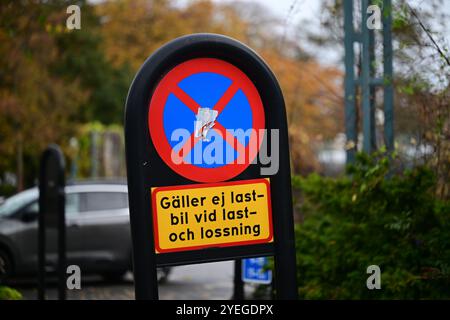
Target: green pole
column 388, row 76
column 349, row 82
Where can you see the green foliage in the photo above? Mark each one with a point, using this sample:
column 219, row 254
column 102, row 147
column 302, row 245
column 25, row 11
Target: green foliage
column 85, row 144
column 7, row 293
column 373, row 217
column 52, row 80
column 83, row 60
column 7, row 190
column 400, row 19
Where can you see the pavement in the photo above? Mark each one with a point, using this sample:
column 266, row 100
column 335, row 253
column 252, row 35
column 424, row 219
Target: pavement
column 209, row 281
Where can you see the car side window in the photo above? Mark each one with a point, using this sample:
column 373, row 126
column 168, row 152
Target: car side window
column 32, row 208
column 103, row 201
column 72, row 204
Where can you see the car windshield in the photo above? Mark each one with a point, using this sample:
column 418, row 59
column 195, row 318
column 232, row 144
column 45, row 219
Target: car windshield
column 17, row 201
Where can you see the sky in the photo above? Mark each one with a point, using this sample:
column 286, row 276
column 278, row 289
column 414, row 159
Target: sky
column 295, row 11
column 292, row 12
column 301, row 8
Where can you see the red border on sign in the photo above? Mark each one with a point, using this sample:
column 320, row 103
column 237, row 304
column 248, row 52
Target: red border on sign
column 215, row 245
column 169, row 84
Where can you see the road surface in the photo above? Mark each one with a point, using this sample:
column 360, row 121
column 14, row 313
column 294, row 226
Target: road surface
column 209, row 281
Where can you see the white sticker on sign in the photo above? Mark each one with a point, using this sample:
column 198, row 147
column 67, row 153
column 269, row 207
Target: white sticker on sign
column 205, row 121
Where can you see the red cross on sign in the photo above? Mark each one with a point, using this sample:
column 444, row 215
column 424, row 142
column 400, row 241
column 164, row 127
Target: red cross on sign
column 216, row 87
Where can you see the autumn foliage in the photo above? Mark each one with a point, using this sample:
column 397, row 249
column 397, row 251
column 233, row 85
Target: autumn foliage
column 53, row 80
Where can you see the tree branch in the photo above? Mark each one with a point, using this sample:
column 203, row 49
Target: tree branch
column 413, row 12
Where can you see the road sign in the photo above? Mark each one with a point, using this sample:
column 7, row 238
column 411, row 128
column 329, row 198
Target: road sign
column 185, row 114
column 202, row 216
column 206, row 84
column 254, row 271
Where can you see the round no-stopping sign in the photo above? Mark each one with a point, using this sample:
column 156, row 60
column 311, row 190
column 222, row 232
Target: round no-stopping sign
column 205, row 119
column 182, row 112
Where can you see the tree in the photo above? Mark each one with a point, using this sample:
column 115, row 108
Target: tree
column 421, row 78
column 132, row 30
column 35, row 104
column 83, row 59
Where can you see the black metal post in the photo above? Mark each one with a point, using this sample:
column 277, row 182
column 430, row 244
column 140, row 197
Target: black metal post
column 238, row 288
column 52, row 215
column 61, row 243
column 285, row 255
column 41, row 246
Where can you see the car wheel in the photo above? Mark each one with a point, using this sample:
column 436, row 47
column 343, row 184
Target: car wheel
column 114, row 276
column 5, row 265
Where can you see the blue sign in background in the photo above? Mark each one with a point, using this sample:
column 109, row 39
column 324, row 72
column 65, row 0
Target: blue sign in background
column 253, row 271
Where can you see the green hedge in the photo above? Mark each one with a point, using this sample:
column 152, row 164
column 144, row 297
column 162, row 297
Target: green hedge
column 373, row 217
column 7, row 293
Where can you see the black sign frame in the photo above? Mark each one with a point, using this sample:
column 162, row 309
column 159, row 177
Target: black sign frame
column 145, row 169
